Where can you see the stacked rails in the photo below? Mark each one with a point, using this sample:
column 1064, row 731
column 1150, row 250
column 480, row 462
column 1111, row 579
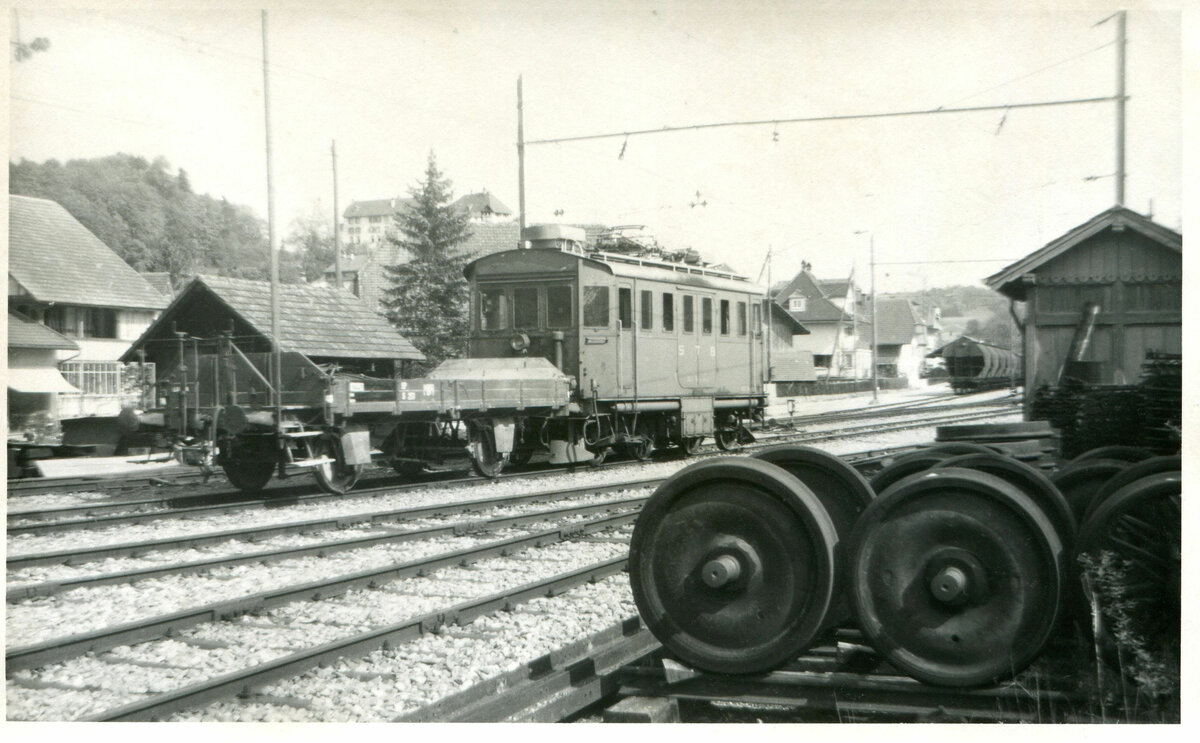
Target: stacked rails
column 958, row 563
column 1162, row 400
column 1035, row 442
column 1090, row 415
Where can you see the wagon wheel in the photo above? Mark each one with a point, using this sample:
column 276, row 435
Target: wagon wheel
column 728, row 440
column 1151, row 466
column 1116, row 451
column 842, row 491
column 689, row 445
column 248, row 475
column 1081, row 481
column 485, row 460
column 334, row 477
column 641, row 450
column 1030, row 482
column 246, row 466
column 956, row 577
column 918, row 461
column 1137, row 530
column 731, row 564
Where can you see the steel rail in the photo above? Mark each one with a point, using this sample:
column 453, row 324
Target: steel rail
column 362, row 644
column 50, row 588
column 133, row 549
column 552, row 687
column 39, row 654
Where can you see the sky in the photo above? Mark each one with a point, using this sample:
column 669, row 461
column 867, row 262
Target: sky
column 945, row 199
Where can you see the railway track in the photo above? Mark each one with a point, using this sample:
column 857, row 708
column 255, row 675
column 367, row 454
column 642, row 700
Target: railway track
column 101, row 515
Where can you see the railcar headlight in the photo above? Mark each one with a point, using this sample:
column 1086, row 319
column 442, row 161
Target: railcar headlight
column 519, row 342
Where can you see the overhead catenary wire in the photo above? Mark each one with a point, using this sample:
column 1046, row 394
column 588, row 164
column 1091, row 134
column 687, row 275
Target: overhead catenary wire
column 834, row 117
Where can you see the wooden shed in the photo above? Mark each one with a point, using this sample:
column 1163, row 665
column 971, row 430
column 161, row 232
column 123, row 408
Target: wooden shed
column 326, row 326
column 1128, row 265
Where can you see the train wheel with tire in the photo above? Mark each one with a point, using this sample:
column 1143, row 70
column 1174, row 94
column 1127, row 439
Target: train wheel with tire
column 956, row 577
column 689, row 445
column 335, row 476
column 728, row 440
column 248, row 475
column 247, row 461
column 485, row 460
column 731, row 564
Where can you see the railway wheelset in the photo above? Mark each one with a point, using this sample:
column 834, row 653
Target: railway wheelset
column 957, row 563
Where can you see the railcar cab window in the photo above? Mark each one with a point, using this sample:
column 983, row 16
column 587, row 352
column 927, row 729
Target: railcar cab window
column 647, row 309
column 558, row 306
column 493, row 309
column 688, row 322
column 525, row 308
column 625, row 307
column 706, row 315
column 595, row 306
column 724, row 317
column 668, row 312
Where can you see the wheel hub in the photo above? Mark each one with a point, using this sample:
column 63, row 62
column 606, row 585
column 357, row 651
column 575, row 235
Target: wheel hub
column 956, row 578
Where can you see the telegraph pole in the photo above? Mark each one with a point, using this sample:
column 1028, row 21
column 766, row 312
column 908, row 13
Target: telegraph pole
column 520, row 163
column 874, row 347
column 1120, row 108
column 273, row 238
column 337, row 231
column 769, row 311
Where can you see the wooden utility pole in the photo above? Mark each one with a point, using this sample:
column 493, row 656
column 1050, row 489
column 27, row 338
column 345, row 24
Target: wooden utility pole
column 1120, row 108
column 874, row 347
column 273, row 238
column 337, row 227
column 520, row 163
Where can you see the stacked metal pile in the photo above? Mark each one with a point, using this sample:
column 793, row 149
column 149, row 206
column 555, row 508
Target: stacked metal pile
column 1036, row 443
column 1162, row 401
column 1090, row 416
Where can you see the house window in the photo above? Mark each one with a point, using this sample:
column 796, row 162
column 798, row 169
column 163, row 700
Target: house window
column 647, row 309
column 668, row 312
column 821, row 360
column 558, row 306
column 706, row 315
column 376, row 220
column 798, row 304
column 724, row 317
column 595, row 306
column 83, row 322
column 688, row 323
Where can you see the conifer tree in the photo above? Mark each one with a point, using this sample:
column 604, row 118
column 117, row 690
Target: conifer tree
column 428, row 298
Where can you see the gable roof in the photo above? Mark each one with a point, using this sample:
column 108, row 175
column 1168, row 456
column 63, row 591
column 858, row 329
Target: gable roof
column 56, row 259
column 1007, row 280
column 834, row 287
column 313, row 320
column 376, row 207
column 481, row 203
column 160, row 280
column 25, row 333
column 819, row 309
column 895, row 321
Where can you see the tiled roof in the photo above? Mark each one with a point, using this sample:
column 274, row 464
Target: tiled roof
column 160, row 280
column 315, row 321
column 834, row 287
column 481, row 203
column 819, row 308
column 895, row 322
column 376, row 207
column 23, row 333
column 56, row 259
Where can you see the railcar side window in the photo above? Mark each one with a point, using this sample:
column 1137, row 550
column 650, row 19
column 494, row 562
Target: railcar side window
column 687, row 314
column 706, row 315
column 493, row 309
column 595, row 306
column 741, row 318
column 668, row 316
column 625, row 307
column 724, row 317
column 757, row 320
column 647, row 309
column 525, row 307
column 558, row 306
